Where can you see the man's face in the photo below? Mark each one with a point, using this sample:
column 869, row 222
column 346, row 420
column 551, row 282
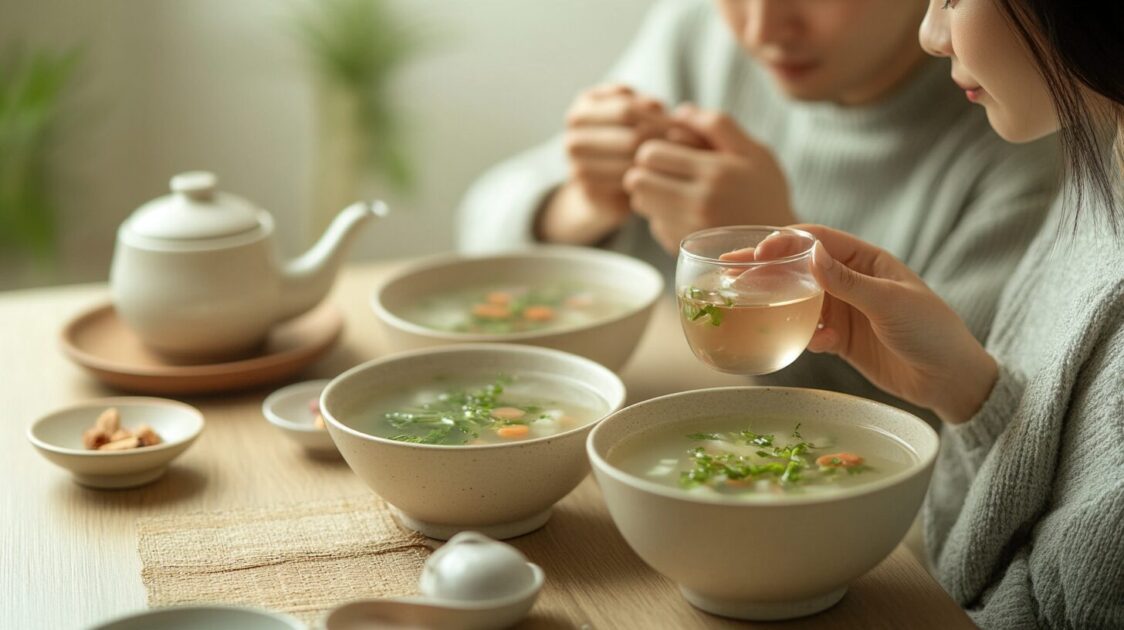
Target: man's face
column 848, row 51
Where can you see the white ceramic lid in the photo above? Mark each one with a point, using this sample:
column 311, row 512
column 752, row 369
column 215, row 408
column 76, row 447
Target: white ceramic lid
column 194, row 210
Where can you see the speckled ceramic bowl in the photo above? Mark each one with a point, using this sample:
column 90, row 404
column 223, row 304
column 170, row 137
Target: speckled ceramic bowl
column 203, row 617
column 608, row 341
column 764, row 559
column 501, row 490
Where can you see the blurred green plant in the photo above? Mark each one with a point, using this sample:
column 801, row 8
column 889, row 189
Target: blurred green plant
column 32, row 85
column 357, row 46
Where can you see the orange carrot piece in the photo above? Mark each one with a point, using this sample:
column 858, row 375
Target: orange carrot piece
column 513, row 431
column 839, row 460
column 538, row 313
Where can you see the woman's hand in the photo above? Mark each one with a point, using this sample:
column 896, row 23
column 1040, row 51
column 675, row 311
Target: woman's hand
column 604, row 127
column 881, row 318
column 706, row 173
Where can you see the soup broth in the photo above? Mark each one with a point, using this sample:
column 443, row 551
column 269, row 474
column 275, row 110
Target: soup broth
column 467, row 410
column 738, row 456
column 513, row 308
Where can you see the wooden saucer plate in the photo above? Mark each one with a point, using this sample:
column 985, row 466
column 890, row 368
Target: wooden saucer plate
column 100, row 342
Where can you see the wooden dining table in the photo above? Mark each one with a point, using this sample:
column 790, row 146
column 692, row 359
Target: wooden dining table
column 68, row 554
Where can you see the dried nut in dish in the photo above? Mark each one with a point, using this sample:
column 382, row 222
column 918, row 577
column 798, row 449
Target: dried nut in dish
column 147, row 435
column 107, row 434
column 121, row 445
column 109, row 421
column 93, row 438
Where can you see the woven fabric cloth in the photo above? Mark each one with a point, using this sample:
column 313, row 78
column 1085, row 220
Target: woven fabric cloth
column 302, row 559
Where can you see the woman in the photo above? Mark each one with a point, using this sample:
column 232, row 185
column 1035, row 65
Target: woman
column 824, row 111
column 1024, row 522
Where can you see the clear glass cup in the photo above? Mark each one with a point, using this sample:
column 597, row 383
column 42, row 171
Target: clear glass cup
column 748, row 301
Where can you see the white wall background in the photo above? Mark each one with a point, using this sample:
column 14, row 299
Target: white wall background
column 172, row 85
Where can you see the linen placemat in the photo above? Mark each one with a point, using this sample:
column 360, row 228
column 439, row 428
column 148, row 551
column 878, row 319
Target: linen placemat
column 302, row 559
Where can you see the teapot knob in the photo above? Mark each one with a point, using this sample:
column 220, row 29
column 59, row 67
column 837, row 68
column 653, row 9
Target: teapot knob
column 198, row 185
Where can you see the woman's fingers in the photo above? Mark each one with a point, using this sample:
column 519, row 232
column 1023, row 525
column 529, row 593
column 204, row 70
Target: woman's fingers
column 824, row 340
column 864, row 292
column 780, row 245
column 832, row 333
column 745, row 254
column 858, row 255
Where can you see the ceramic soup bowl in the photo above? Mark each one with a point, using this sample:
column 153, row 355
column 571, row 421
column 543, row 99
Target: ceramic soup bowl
column 620, row 292
column 499, row 489
column 771, row 553
column 203, row 617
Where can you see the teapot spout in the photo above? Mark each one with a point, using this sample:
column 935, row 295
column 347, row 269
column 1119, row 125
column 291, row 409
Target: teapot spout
column 307, row 279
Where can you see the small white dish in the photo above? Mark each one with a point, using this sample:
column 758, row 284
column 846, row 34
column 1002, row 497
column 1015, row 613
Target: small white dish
column 203, row 618
column 471, row 583
column 289, row 409
column 58, row 437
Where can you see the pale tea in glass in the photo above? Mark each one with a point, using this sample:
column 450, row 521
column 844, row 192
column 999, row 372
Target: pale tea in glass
column 747, row 299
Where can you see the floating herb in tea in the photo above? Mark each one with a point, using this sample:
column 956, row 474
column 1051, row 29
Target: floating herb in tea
column 698, row 305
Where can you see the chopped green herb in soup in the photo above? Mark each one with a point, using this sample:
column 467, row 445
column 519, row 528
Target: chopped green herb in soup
column 501, row 309
column 477, row 411
column 739, row 457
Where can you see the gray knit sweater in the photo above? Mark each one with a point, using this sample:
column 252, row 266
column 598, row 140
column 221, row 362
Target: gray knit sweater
column 1024, row 523
column 920, row 173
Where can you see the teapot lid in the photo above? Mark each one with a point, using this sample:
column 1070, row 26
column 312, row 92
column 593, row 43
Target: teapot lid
column 194, row 210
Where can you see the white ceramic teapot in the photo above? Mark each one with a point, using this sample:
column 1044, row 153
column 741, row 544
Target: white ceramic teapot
column 196, row 275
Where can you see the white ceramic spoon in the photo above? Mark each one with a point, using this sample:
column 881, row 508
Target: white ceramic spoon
column 471, row 583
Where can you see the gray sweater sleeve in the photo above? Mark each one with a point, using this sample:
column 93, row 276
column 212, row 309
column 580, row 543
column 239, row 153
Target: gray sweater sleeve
column 499, row 210
column 1025, row 527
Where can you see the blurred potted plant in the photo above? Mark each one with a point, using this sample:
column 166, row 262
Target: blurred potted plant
column 355, row 47
column 32, row 86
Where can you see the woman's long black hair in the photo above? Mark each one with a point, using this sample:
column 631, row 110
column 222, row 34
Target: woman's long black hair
column 1081, row 43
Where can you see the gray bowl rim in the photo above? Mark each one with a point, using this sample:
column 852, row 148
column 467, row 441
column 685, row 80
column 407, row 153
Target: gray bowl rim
column 921, row 465
column 494, row 348
column 116, row 401
column 563, row 252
